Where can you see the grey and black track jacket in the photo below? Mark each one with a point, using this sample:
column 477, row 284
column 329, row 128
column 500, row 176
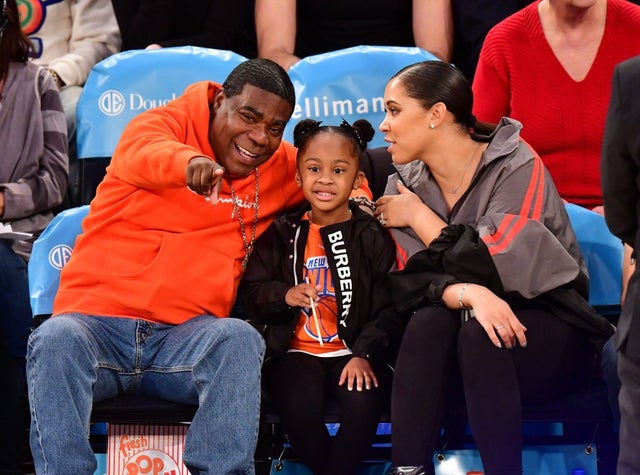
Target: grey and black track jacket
column 510, row 232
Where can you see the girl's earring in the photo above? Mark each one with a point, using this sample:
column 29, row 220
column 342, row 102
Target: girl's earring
column 432, row 126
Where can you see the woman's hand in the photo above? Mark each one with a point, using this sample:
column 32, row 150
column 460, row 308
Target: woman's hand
column 301, row 295
column 398, row 211
column 407, row 209
column 493, row 313
column 358, row 370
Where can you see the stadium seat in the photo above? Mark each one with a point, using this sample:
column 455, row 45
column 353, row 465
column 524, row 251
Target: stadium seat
column 348, row 83
column 603, row 253
column 128, row 83
column 51, row 251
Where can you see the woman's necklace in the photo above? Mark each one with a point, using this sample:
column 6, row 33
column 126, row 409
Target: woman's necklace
column 453, row 191
column 248, row 245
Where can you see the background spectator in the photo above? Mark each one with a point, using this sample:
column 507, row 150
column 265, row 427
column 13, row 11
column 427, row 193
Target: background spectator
column 472, row 20
column 288, row 30
column 33, row 180
column 549, row 66
column 70, row 37
column 218, row 24
column 620, row 178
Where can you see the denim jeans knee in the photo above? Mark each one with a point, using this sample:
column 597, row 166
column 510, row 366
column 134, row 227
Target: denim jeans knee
column 214, row 362
column 61, row 371
column 223, row 435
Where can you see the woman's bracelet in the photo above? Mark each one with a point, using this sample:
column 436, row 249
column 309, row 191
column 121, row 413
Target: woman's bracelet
column 462, row 291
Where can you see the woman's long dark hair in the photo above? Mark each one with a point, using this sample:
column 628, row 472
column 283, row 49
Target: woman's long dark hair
column 14, row 44
column 430, row 82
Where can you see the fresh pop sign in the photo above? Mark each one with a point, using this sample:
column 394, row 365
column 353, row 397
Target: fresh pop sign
column 135, row 449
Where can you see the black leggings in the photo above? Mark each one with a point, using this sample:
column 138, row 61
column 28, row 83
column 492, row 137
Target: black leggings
column 496, row 382
column 300, row 384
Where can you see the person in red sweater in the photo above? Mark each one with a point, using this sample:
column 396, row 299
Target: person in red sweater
column 549, row 66
column 190, row 187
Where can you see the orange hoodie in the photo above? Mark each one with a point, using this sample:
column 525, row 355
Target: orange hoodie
column 152, row 249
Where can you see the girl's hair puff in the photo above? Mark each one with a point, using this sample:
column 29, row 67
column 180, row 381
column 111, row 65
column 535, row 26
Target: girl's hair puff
column 360, row 133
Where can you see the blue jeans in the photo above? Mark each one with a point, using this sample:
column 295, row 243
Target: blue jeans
column 76, row 359
column 15, row 325
column 15, row 309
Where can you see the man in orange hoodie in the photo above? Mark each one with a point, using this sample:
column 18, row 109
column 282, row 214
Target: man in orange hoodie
column 190, row 187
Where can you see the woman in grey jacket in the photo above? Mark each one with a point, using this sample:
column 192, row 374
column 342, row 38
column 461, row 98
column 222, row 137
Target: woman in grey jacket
column 494, row 282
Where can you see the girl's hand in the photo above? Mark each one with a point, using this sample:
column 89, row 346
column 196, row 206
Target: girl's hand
column 301, row 295
column 358, row 370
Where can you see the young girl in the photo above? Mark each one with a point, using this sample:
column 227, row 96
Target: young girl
column 316, row 279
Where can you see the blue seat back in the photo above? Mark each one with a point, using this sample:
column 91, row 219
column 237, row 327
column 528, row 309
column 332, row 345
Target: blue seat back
column 603, row 253
column 51, row 251
column 348, row 83
column 128, row 83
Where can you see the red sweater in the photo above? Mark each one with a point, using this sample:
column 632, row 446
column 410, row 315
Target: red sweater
column 519, row 76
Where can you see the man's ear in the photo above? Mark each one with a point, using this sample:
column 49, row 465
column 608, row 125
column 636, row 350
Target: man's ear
column 218, row 99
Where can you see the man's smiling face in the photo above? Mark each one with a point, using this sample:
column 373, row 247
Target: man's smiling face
column 246, row 129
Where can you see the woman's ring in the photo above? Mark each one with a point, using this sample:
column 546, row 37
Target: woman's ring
column 381, row 219
column 499, row 327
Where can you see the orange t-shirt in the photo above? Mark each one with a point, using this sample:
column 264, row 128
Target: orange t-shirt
column 306, row 337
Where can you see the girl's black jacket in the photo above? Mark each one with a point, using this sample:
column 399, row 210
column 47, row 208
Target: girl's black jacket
column 367, row 323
